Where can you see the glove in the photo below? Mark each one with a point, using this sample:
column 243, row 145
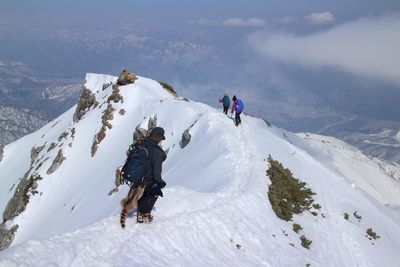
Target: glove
column 163, row 184
column 156, row 188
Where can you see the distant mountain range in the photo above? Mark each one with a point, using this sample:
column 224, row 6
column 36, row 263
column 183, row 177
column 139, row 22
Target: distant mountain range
column 201, row 64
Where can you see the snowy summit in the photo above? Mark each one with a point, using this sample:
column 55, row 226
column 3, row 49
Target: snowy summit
column 57, row 211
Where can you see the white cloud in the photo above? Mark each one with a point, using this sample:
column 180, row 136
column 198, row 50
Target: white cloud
column 365, row 47
column 252, row 22
column 321, row 18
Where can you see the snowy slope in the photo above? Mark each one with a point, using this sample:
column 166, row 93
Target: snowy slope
column 215, row 210
column 376, row 177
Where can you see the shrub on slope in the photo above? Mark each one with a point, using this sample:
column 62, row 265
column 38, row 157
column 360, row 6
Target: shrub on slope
column 287, row 194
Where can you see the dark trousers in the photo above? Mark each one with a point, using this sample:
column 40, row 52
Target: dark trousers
column 226, row 110
column 237, row 118
column 146, row 202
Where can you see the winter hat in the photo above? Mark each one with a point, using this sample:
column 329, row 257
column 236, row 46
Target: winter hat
column 234, row 98
column 158, row 133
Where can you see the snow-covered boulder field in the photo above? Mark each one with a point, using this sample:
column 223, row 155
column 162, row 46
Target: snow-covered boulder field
column 57, row 211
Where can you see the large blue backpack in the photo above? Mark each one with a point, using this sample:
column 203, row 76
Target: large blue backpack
column 239, row 105
column 137, row 166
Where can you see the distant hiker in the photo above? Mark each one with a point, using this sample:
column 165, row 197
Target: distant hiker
column 225, row 103
column 145, row 158
column 238, row 107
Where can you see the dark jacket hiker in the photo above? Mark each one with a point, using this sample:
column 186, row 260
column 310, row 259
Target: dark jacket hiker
column 143, row 172
column 154, row 182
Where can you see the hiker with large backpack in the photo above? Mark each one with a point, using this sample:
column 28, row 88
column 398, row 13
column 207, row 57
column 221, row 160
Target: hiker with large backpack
column 225, row 103
column 142, row 171
column 238, row 107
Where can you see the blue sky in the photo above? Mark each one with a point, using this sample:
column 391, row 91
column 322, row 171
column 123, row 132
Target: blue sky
column 159, row 11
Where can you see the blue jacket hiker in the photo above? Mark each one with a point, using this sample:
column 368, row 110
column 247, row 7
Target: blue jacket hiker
column 238, row 107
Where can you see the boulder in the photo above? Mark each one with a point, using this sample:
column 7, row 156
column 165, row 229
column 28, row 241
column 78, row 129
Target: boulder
column 186, row 137
column 56, row 162
column 126, row 77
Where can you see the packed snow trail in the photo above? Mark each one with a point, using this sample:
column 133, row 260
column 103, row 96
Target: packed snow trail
column 215, row 210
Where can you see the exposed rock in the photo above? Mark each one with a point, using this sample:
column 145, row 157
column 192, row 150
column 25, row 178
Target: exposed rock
column 108, row 114
column 94, row 148
column 186, row 137
column 115, row 96
column 73, row 133
column 1, row 152
column 52, row 146
column 126, row 77
column 86, row 101
column 6, row 235
column 169, row 88
column 101, row 135
column 105, row 86
column 105, row 119
column 25, row 189
column 35, row 151
column 62, row 136
column 152, row 123
column 97, row 139
column 121, row 112
column 56, row 162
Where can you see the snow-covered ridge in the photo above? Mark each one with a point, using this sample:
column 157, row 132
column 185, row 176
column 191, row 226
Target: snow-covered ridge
column 215, row 210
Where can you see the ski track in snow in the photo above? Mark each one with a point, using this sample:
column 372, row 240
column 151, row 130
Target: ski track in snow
column 230, row 222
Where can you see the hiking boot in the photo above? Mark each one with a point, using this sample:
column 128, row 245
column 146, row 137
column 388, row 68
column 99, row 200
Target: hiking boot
column 144, row 218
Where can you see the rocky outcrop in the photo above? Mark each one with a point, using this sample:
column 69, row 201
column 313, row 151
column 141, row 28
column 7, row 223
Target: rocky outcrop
column 86, row 101
column 73, row 133
column 169, row 88
column 6, row 235
column 52, row 146
column 115, row 96
column 56, row 162
column 105, row 86
column 62, row 136
column 1, row 152
column 108, row 116
column 186, row 137
column 16, row 205
column 126, row 77
column 105, row 120
column 35, row 151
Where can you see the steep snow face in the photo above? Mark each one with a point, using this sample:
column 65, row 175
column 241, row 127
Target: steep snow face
column 215, row 210
column 376, row 177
